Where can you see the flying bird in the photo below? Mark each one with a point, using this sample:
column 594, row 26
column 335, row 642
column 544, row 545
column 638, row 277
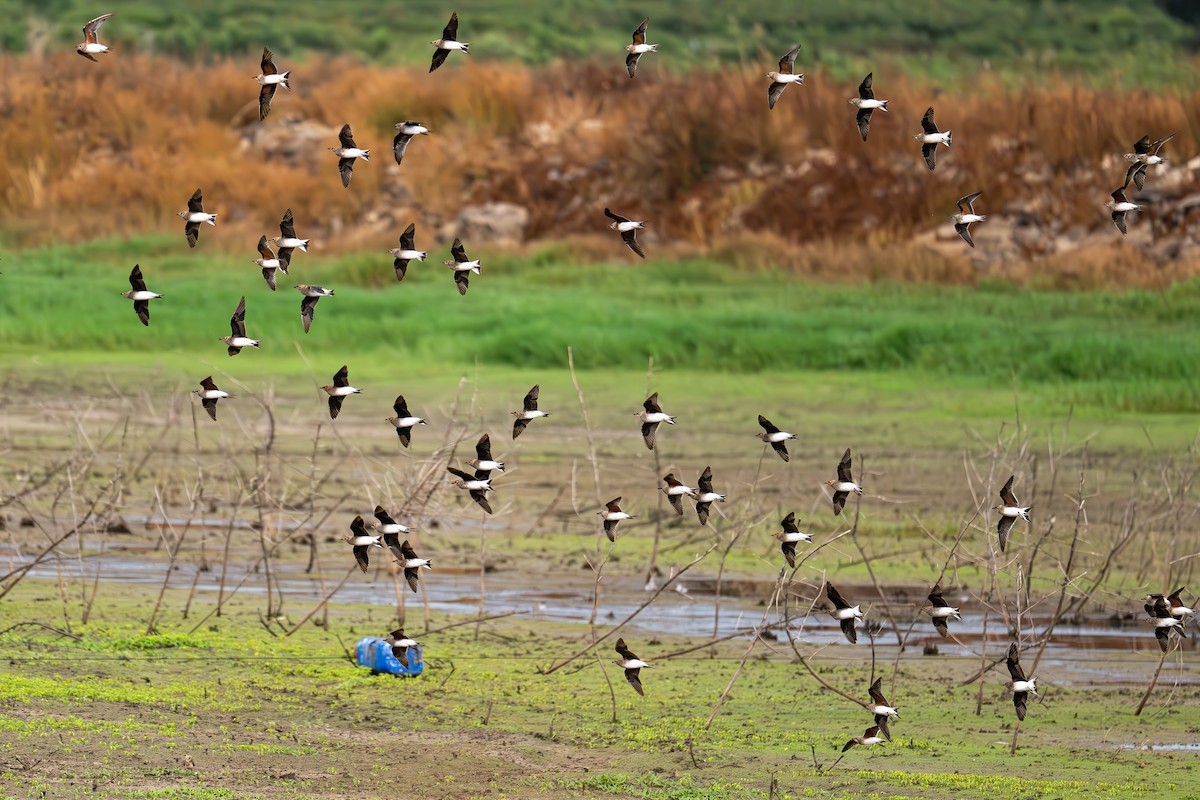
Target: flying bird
column 140, row 296
column 774, row 437
column 675, row 491
column 632, row 666
column 407, row 251
column 403, row 421
column 194, row 216
column 1020, row 687
column 347, row 152
column 941, row 612
column 843, row 484
column 209, row 394
column 339, row 391
column 966, row 216
column 612, row 516
column 880, row 708
column 309, row 302
column 529, row 411
column 361, row 541
column 844, row 613
column 638, row 47
column 268, row 262
column 706, row 496
column 462, row 266
column 477, row 485
column 870, row 736
column 930, row 138
column 628, row 229
column 866, row 104
column 789, row 536
column 1164, row 622
column 650, row 418
column 448, row 42
column 269, row 79
column 405, row 131
column 400, row 644
column 390, row 530
column 1120, row 207
column 287, row 242
column 1144, row 155
column 91, row 46
column 237, row 328
column 1009, row 511
column 785, row 75
column 483, row 461
column 412, row 564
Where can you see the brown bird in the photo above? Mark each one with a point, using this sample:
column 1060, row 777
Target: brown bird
column 843, row 484
column 628, row 229
column 339, row 391
column 400, row 644
column 209, row 394
column 528, row 412
column 237, row 326
column 448, row 42
column 612, row 518
column 477, row 485
column 844, row 613
column 1009, row 511
column 412, row 564
column 675, row 491
column 347, row 152
column 774, row 437
column 783, row 76
column 941, row 612
column 406, row 252
column 403, row 421
column 462, row 266
column 91, row 39
column 930, row 137
column 650, row 418
column 632, row 666
column 1020, row 687
column 361, row 541
column 706, row 496
column 269, row 79
column 789, row 536
column 194, row 217
column 870, row 736
column 638, row 48
column 880, row 708
column 140, row 296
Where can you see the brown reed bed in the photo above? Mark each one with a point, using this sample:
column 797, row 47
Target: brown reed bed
column 116, row 149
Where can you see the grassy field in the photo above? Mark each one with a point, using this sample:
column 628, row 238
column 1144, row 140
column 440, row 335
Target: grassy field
column 230, row 711
column 1108, row 352
column 1102, row 37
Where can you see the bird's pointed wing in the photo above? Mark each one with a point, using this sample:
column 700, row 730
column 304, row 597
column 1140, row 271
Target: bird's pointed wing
column 455, row 471
column 450, row 32
column 767, row 425
column 267, row 64
column 788, row 62
column 774, row 91
column 843, row 469
column 864, row 89
column 345, row 137
column 409, row 237
column 342, row 376
column 876, row 693
column 614, row 217
column 929, row 151
column 1003, row 527
column 927, row 123
column 639, row 35
column 648, row 431
column 208, row 384
column 401, row 407
column 848, row 629
column 265, row 95
column 136, row 282
column 269, row 276
column 863, row 120
column 1014, row 663
column 967, row 204
column 463, row 281
column 834, row 596
column 481, row 498
column 651, row 404
column 531, row 398
column 196, row 201
column 630, row 239
column 789, row 523
column 399, row 145
column 237, row 323
column 1006, row 492
column 705, row 480
column 964, row 230
column 142, row 309
column 458, row 252
column 483, row 448
column 264, row 249
column 439, row 58
column 287, row 225
column 307, row 307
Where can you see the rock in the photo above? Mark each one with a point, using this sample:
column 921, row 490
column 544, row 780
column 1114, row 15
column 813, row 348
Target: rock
column 492, row 223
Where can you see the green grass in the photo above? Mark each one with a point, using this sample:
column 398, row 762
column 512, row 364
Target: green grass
column 321, row 714
column 933, row 37
column 1111, row 352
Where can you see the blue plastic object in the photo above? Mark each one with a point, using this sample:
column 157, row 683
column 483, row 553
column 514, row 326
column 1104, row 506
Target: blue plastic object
column 376, row 654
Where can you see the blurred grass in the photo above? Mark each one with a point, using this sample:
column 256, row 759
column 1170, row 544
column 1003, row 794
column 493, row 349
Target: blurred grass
column 935, row 38
column 1118, row 352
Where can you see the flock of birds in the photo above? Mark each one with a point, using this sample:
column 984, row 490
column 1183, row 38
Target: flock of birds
column 1168, row 614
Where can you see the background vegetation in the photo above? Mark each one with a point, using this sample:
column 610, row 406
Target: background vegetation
column 1141, row 41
